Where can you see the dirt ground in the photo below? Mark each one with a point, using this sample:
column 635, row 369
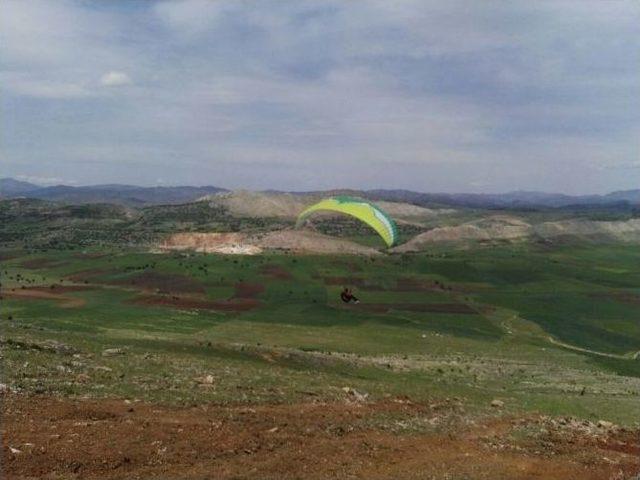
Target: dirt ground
column 247, row 290
column 49, row 438
column 162, row 282
column 276, row 272
column 88, row 275
column 45, row 293
column 243, row 299
column 231, row 305
column 630, row 298
column 355, row 281
column 38, row 263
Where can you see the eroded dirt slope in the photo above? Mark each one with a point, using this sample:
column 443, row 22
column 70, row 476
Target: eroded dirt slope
column 297, row 241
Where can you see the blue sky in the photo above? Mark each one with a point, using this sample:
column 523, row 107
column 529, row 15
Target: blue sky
column 439, row 96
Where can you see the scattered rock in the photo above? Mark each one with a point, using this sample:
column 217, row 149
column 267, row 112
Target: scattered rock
column 605, row 424
column 60, row 348
column 497, row 403
column 15, row 451
column 49, row 346
column 355, row 395
column 112, row 352
column 206, row 380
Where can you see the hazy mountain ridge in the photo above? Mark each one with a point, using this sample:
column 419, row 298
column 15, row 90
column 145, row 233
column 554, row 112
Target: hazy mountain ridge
column 132, row 195
column 10, row 187
column 516, row 199
column 129, row 195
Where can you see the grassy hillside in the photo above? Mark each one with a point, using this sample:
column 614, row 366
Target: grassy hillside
column 36, row 224
column 32, row 224
column 536, row 327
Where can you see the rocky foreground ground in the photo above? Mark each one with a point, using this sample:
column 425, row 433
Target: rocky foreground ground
column 52, row 438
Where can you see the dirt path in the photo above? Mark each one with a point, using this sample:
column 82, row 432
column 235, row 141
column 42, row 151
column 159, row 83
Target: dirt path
column 627, row 356
column 112, row 439
column 511, row 328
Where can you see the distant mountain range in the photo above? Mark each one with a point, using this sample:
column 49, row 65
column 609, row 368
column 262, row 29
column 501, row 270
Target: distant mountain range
column 137, row 196
column 518, row 199
column 129, row 195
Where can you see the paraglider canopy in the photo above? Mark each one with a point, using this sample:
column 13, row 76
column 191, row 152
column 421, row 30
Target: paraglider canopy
column 361, row 209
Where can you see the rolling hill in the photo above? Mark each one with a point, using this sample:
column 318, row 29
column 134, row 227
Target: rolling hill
column 503, row 228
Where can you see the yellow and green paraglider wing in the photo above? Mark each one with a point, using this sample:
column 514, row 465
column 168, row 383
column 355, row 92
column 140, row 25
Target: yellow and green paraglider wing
column 362, row 210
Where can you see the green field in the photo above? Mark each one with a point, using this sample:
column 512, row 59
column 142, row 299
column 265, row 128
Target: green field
column 544, row 329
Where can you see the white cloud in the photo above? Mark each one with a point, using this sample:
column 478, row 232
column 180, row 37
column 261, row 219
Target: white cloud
column 55, row 34
column 115, row 79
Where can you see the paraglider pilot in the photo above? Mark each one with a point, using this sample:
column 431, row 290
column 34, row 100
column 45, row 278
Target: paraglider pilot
column 347, row 296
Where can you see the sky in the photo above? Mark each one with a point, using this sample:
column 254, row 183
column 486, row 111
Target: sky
column 434, row 96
